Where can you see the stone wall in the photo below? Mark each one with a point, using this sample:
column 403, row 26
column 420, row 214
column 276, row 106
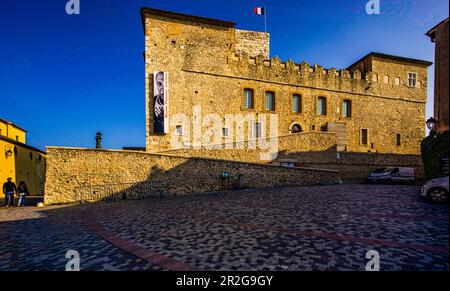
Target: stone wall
column 252, row 43
column 441, row 90
column 305, row 142
column 355, row 167
column 69, row 168
column 316, row 150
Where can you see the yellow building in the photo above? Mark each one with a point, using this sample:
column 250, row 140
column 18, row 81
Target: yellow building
column 20, row 161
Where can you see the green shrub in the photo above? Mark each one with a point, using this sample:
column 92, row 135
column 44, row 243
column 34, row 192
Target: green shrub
column 434, row 148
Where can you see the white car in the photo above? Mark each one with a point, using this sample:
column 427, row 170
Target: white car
column 436, row 190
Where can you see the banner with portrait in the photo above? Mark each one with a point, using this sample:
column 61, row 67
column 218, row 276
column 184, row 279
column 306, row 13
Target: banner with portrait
column 161, row 101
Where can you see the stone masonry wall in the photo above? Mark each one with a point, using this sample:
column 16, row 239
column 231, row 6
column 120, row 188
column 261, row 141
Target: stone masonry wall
column 252, row 43
column 356, row 167
column 292, row 144
column 69, row 168
column 208, row 69
column 441, row 90
column 315, row 150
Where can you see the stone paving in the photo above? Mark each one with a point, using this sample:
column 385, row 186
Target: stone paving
column 292, row 228
column 35, row 239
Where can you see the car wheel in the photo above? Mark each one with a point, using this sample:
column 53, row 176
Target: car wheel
column 437, row 195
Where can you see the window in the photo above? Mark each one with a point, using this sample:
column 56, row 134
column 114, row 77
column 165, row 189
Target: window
column 322, row 106
column 179, row 130
column 412, row 79
column 375, row 77
column 399, row 140
column 256, row 130
column 17, row 138
column 313, row 127
column 397, row 81
column 296, row 103
column 347, row 108
column 225, row 132
column 248, row 99
column 31, row 156
column 364, row 136
column 270, row 101
column 386, row 79
column 296, row 128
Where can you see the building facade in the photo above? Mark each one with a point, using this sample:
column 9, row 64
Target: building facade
column 439, row 35
column 375, row 105
column 20, row 161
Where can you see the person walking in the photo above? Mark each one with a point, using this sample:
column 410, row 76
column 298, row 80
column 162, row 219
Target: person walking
column 9, row 188
column 22, row 191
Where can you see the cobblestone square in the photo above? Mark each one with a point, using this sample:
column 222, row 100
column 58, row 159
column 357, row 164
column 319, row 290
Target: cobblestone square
column 323, row 228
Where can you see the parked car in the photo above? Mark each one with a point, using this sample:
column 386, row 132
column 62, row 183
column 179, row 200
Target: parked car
column 398, row 174
column 436, row 190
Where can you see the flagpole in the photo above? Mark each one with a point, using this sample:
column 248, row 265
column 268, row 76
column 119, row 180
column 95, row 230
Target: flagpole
column 265, row 28
column 265, row 16
column 265, row 20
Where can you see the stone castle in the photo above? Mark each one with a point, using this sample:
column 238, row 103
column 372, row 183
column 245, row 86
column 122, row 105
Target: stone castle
column 333, row 125
column 376, row 104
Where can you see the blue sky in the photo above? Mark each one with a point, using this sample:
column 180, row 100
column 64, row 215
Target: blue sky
column 65, row 77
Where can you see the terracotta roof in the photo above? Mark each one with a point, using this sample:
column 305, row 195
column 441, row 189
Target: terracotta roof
column 432, row 31
column 10, row 123
column 394, row 58
column 185, row 17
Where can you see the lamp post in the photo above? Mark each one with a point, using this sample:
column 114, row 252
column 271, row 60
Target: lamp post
column 432, row 124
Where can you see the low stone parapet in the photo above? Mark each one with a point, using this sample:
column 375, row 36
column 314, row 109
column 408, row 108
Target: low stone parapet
column 71, row 168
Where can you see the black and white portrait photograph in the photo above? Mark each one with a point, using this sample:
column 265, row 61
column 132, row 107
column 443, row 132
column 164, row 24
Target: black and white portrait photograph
column 159, row 88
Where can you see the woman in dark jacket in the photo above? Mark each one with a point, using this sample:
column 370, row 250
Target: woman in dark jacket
column 22, row 191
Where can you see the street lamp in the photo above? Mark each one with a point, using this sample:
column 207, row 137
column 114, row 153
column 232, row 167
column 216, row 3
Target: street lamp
column 431, row 124
column 8, row 152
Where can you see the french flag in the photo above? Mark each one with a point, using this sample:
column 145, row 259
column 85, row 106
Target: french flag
column 259, row 10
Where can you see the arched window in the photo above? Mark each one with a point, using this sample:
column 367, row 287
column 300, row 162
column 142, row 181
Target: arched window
column 296, row 128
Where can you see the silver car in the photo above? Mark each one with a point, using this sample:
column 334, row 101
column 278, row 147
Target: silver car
column 397, row 174
column 436, row 190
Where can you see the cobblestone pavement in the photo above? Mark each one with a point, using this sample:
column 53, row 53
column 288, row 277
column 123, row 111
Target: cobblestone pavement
column 35, row 239
column 292, row 228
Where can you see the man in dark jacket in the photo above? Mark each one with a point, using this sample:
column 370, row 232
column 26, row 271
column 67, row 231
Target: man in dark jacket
column 9, row 188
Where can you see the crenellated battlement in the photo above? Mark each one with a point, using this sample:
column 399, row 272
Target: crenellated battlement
column 275, row 70
column 377, row 103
